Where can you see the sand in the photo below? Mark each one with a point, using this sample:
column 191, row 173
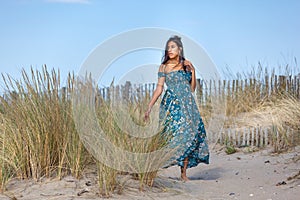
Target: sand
column 259, row 175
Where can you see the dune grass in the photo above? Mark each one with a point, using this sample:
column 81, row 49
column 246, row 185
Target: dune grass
column 115, row 133
column 264, row 99
column 39, row 137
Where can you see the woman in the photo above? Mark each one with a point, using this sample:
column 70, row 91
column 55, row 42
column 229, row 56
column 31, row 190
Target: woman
column 179, row 113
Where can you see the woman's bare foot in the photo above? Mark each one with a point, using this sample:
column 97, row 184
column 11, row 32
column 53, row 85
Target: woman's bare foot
column 183, row 170
column 184, row 178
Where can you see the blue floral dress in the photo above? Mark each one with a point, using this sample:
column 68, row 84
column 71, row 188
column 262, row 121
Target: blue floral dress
column 180, row 117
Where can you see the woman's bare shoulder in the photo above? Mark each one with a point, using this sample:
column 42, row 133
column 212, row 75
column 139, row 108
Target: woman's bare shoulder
column 162, row 68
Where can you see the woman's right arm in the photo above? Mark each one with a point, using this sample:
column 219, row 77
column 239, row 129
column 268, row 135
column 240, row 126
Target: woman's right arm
column 157, row 92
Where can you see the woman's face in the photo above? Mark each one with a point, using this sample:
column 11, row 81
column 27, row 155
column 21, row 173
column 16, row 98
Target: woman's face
column 172, row 49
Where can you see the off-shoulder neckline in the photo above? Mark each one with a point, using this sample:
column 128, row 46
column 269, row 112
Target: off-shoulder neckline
column 175, row 71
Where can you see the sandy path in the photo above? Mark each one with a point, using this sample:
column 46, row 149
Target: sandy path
column 237, row 176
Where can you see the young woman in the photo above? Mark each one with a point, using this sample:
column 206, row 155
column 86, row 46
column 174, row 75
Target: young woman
column 179, row 114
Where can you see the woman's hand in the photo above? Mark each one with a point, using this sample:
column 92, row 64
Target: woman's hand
column 189, row 65
column 191, row 68
column 147, row 114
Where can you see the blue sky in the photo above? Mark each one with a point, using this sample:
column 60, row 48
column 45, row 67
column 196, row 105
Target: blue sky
column 237, row 34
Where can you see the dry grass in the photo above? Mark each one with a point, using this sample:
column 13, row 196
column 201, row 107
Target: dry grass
column 41, row 134
column 281, row 115
column 38, row 136
column 116, row 135
column 263, row 100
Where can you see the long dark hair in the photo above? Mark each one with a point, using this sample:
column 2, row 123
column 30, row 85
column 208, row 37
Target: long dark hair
column 177, row 40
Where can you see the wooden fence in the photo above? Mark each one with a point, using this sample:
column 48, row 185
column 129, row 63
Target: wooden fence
column 255, row 136
column 211, row 88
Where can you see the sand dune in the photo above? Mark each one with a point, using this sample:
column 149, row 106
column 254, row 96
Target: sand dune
column 258, row 175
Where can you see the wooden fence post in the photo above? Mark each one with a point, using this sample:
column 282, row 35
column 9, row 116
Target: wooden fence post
column 266, row 93
column 275, row 84
column 266, row 137
column 256, row 136
column 238, row 135
column 252, row 137
column 244, row 137
column 298, row 87
column 282, row 83
column 221, row 138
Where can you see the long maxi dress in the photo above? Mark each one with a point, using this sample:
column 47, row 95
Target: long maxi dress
column 179, row 116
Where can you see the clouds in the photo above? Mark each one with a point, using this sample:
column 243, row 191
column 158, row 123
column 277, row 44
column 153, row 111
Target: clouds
column 70, row 1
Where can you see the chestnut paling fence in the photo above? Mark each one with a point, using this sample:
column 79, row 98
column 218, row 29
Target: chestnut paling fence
column 205, row 89
column 227, row 92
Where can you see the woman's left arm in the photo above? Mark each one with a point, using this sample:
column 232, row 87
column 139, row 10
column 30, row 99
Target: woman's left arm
column 191, row 68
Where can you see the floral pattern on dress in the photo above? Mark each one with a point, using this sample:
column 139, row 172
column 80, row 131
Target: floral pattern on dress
column 180, row 117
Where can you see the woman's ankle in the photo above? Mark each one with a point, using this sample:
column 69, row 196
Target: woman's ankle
column 184, row 177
